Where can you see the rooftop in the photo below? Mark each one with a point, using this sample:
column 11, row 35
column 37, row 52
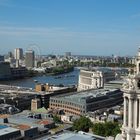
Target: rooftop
column 41, row 110
column 23, row 127
column 23, row 121
column 75, row 136
column 101, row 69
column 3, row 126
column 5, row 130
column 43, row 122
column 84, row 95
column 2, row 116
column 117, row 82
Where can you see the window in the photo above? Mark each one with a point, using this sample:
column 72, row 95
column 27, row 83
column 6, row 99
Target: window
column 138, row 84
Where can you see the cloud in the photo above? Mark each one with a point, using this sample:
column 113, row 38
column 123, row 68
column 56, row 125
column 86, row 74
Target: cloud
column 23, row 31
column 61, row 39
column 60, row 33
column 43, row 32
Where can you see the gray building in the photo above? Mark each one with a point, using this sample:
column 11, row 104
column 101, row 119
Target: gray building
column 10, row 55
column 29, row 59
column 9, row 133
column 29, row 125
column 67, row 54
column 1, row 58
column 5, row 71
column 80, row 103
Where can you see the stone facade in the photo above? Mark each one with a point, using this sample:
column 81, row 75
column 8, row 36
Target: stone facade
column 94, row 79
column 131, row 122
column 90, row 80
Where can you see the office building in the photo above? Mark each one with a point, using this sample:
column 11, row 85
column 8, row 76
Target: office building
column 90, row 80
column 67, row 54
column 93, row 79
column 29, row 59
column 18, row 54
column 5, row 71
column 46, row 91
column 19, row 72
column 10, row 55
column 79, row 103
column 1, row 58
column 9, row 133
column 16, row 96
column 26, row 125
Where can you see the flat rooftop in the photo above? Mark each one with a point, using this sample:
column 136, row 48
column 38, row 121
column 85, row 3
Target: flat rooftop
column 101, row 69
column 22, row 121
column 6, row 130
column 3, row 126
column 22, row 127
column 83, row 95
column 75, row 136
column 117, row 82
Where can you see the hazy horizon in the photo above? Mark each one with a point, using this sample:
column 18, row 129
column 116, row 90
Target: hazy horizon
column 83, row 27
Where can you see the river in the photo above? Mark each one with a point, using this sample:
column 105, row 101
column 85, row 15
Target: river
column 65, row 79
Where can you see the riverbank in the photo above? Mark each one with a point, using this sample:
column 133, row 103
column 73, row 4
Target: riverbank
column 51, row 71
column 70, row 78
column 59, row 70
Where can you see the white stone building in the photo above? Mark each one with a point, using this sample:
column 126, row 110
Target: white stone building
column 131, row 122
column 90, row 80
column 18, row 53
column 93, row 79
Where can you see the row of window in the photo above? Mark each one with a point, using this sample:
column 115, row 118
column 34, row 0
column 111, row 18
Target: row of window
column 73, row 111
column 65, row 103
column 66, row 107
column 84, row 87
column 86, row 81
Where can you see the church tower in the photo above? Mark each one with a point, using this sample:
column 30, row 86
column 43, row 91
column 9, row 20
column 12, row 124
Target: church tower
column 131, row 120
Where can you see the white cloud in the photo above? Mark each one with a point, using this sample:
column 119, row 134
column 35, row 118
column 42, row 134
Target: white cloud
column 42, row 32
column 60, row 40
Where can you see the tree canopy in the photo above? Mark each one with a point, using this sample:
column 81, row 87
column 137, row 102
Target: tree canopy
column 106, row 129
column 82, row 124
column 56, row 119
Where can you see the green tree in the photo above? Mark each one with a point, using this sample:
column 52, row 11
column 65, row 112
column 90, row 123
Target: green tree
column 99, row 129
column 82, row 124
column 56, row 119
column 106, row 129
column 31, row 73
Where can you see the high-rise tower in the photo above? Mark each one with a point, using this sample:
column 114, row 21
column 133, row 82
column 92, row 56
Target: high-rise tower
column 29, row 59
column 18, row 54
column 131, row 120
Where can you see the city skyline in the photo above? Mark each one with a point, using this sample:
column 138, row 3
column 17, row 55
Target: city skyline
column 84, row 27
